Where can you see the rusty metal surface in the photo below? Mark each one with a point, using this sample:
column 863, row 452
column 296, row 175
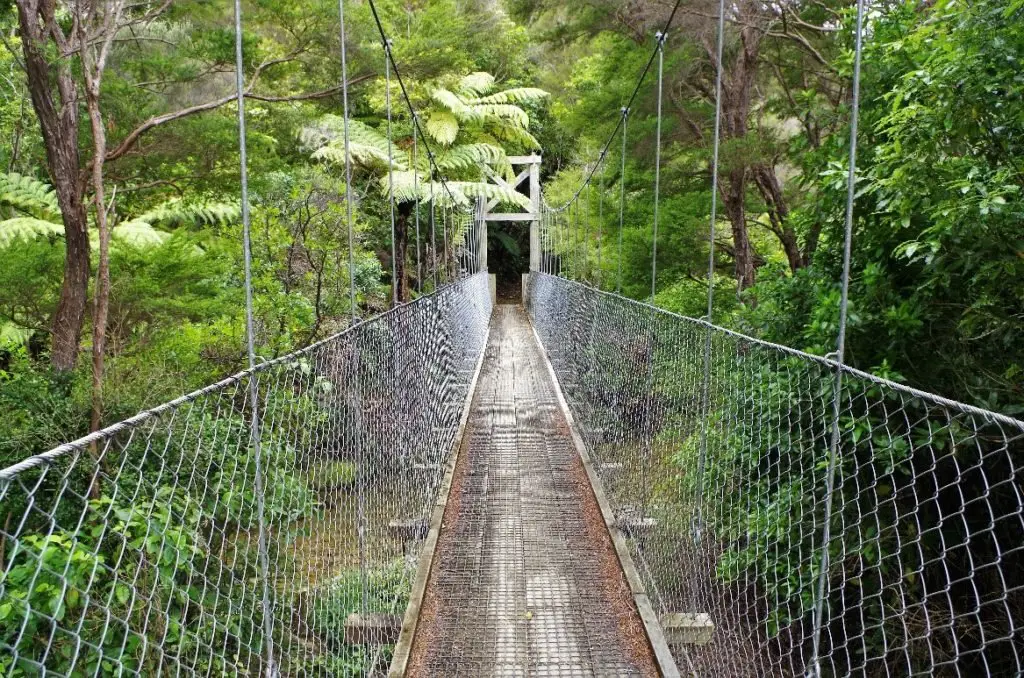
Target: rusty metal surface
column 525, row 582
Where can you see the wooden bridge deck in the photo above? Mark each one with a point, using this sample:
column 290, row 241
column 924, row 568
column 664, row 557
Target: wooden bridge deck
column 525, row 580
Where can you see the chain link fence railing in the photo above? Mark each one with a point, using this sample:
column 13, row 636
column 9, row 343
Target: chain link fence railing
column 137, row 549
column 714, row 450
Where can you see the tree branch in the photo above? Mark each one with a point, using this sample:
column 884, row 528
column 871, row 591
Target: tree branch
column 129, row 141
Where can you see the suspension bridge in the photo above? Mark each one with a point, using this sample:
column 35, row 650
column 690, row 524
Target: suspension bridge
column 581, row 484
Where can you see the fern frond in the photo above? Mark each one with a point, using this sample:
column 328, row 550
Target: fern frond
column 516, row 95
column 507, row 241
column 481, row 189
column 367, row 146
column 476, row 84
column 13, row 335
column 471, row 155
column 175, row 213
column 456, row 105
column 29, row 195
column 26, row 228
column 330, row 130
column 136, row 233
column 516, row 135
column 503, row 111
column 406, row 186
column 443, row 127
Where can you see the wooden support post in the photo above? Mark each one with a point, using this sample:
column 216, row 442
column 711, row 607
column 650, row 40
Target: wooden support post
column 687, row 628
column 372, row 629
column 481, row 234
column 535, row 209
column 633, row 523
column 409, row 529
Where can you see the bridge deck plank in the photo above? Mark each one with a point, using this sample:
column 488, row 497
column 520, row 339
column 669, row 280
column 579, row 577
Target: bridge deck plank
column 525, row 581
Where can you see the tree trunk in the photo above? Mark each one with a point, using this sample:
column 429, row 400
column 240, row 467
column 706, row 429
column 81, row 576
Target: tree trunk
column 743, row 255
column 778, row 213
column 102, row 291
column 58, row 122
column 403, row 213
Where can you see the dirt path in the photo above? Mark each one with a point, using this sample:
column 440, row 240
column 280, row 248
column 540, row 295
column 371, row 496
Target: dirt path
column 525, row 580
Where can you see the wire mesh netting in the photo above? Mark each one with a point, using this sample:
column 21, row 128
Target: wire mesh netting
column 718, row 479
column 137, row 549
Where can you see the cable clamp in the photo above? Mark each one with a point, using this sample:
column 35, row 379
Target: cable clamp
column 625, row 111
column 661, row 37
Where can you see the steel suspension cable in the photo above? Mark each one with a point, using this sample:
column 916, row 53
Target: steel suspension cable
column 840, row 353
column 348, row 164
column 657, row 167
column 629, row 102
column 622, row 196
column 600, row 224
column 416, row 192
column 586, row 232
column 264, row 563
column 706, row 382
column 360, row 484
column 433, row 233
column 408, row 101
column 391, row 172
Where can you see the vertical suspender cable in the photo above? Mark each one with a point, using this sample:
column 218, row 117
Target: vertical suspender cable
column 391, row 171
column 706, row 384
column 348, row 165
column 651, row 339
column 416, row 191
column 264, row 564
column 356, row 405
column 840, row 354
column 600, row 220
column 433, row 232
column 541, row 225
column 622, row 196
column 586, row 232
column 444, row 236
column 657, row 167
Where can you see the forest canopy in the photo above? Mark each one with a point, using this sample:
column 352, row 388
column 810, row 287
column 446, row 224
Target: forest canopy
column 142, row 121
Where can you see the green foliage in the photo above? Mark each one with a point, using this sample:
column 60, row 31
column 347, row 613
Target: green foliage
column 937, row 238
column 28, row 196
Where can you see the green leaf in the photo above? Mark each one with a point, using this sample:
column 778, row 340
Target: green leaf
column 508, row 242
column 476, row 83
column 26, row 228
column 443, row 126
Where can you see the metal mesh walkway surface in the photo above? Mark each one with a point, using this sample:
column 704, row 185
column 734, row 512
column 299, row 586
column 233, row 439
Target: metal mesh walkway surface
column 525, row 581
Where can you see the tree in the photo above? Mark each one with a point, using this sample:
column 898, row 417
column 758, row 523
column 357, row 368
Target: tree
column 49, row 59
column 467, row 126
column 776, row 74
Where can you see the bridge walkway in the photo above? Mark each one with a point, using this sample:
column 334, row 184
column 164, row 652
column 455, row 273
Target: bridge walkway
column 525, row 580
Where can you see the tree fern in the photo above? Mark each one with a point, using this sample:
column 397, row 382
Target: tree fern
column 468, row 156
column 456, row 105
column 13, row 334
column 443, row 127
column 176, row 213
column 27, row 228
column 138, row 234
column 476, row 84
column 367, row 146
column 504, row 111
column 516, row 95
column 516, row 135
column 29, row 196
column 480, row 189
